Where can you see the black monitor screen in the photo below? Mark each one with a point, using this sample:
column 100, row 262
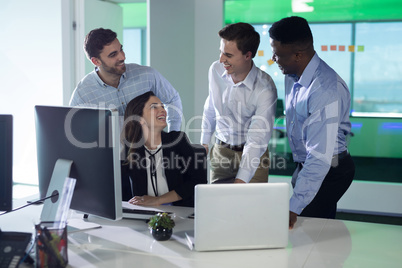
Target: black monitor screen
column 6, row 162
column 90, row 138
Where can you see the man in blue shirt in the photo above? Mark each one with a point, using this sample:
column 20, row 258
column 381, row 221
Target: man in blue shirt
column 113, row 83
column 317, row 121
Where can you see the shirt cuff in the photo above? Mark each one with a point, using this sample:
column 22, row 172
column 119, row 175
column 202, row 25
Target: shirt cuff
column 174, row 127
column 244, row 175
column 205, row 138
column 296, row 205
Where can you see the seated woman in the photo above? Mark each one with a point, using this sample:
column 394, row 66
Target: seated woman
column 161, row 168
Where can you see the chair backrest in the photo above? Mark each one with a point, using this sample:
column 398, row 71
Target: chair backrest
column 279, row 108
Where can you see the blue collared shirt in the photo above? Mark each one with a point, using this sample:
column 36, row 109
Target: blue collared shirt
column 240, row 113
column 91, row 91
column 317, row 123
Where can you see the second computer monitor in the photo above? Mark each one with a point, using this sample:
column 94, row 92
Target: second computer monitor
column 90, row 139
column 6, row 162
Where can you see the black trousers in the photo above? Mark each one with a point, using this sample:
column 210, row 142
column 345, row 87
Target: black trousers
column 335, row 184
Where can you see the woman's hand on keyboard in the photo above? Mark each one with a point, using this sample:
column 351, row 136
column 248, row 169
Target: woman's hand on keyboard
column 145, row 200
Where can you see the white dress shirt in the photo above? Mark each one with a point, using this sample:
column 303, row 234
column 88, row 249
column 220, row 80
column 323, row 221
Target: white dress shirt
column 241, row 113
column 161, row 184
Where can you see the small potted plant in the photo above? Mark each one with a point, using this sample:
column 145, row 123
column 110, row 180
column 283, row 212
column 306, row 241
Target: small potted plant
column 161, row 226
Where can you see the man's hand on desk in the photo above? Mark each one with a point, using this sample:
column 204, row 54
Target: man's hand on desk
column 292, row 219
column 239, row 181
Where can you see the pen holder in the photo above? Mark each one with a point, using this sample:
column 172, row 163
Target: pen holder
column 51, row 244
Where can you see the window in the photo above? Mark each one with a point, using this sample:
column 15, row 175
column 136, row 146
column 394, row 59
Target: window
column 133, row 45
column 134, row 31
column 378, row 68
column 263, row 59
column 31, row 74
column 365, row 55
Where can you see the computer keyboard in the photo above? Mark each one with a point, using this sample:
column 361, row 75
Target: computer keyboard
column 140, row 211
column 132, row 213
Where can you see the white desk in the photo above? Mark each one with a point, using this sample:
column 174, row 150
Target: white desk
column 312, row 243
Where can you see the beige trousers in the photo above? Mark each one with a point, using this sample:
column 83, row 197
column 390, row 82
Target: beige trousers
column 225, row 165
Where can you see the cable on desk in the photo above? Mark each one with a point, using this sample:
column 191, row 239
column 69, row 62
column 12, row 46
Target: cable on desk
column 32, row 203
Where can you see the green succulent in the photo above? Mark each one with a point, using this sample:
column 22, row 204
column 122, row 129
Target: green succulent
column 161, row 220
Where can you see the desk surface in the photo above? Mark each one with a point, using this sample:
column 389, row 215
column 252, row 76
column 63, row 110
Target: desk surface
column 312, row 243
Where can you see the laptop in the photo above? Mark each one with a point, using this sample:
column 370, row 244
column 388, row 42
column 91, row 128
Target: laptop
column 241, row 216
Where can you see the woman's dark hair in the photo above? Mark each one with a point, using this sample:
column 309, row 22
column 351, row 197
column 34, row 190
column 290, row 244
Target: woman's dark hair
column 132, row 130
column 96, row 40
column 245, row 36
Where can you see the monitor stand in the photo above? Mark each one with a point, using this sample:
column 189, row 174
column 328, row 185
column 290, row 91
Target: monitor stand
column 75, row 225
column 57, row 207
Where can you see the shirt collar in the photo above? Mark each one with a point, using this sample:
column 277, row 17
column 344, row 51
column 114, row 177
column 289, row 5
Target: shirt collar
column 248, row 81
column 100, row 81
column 308, row 73
column 154, row 150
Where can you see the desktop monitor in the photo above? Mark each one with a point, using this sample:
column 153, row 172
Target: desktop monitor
column 89, row 137
column 6, row 162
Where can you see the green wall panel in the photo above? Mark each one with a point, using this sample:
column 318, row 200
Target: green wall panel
column 268, row 11
column 376, row 137
column 134, row 15
column 373, row 137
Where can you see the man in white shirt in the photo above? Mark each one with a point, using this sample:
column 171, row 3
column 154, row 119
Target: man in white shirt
column 240, row 108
